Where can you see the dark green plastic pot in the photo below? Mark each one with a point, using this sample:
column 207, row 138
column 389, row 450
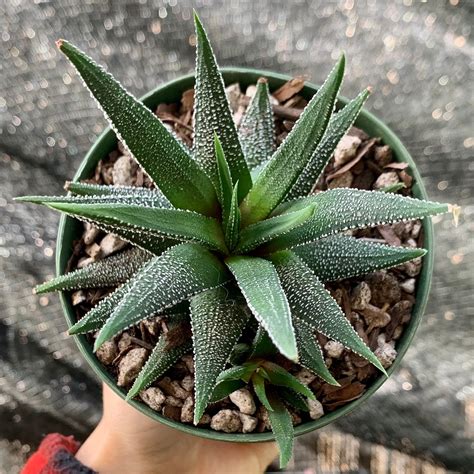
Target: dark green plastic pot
column 70, row 229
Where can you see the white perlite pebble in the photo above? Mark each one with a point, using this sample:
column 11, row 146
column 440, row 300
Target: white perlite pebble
column 227, row 421
column 316, row 409
column 346, row 149
column 408, row 285
column 107, row 352
column 188, row 383
column 187, row 411
column 249, row 423
column 386, row 179
column 124, row 171
column 130, row 366
column 78, row 297
column 153, row 397
column 361, row 296
column 385, row 351
column 189, row 361
column 305, row 376
column 334, row 349
column 90, row 234
column 243, row 399
column 111, row 243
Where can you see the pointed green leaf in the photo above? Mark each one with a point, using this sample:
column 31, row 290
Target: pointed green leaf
column 312, row 304
column 342, row 209
column 161, row 359
column 279, row 376
column 257, row 130
column 311, row 355
column 259, row 387
column 154, row 196
column 338, row 126
column 110, row 271
column 224, row 389
column 293, row 398
column 212, row 115
column 163, row 157
column 259, row 283
column 217, row 322
column 232, row 227
column 257, row 234
column 240, row 372
column 282, row 427
column 262, row 345
column 341, row 256
column 225, row 179
column 151, row 221
column 96, row 317
column 290, row 159
column 164, row 281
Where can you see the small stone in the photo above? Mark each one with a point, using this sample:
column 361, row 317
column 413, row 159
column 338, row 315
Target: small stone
column 402, row 311
column 205, row 420
column 251, row 90
column 187, row 411
column 78, row 297
column 124, row 171
column 84, row 261
column 385, row 352
column 130, row 365
column 344, row 180
column 93, row 250
column 249, row 423
column 125, row 341
column 305, row 376
column 411, row 243
column 413, row 267
column 233, row 94
column 172, row 412
column 262, row 415
column 334, row 349
column 173, row 401
column 243, row 399
column 388, row 178
column 316, row 409
column 107, row 352
column 153, row 325
column 90, row 234
column 111, row 243
column 385, row 288
column 415, row 232
column 227, row 421
column 346, row 149
column 188, row 383
column 173, row 388
column 408, row 286
column 361, row 296
column 397, row 333
column 375, row 317
column 189, row 361
column 153, row 397
column 383, row 155
column 295, row 418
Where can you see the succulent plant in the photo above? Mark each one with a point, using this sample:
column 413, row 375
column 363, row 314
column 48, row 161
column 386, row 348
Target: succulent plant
column 230, row 235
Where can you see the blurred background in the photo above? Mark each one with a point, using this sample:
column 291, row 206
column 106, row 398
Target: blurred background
column 417, row 56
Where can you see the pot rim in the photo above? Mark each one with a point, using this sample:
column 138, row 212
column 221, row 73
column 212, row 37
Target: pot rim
column 68, row 229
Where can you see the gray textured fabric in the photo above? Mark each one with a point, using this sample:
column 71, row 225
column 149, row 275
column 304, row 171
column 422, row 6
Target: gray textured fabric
column 416, row 56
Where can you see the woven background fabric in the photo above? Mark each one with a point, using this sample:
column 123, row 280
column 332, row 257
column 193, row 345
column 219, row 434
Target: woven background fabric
column 417, row 56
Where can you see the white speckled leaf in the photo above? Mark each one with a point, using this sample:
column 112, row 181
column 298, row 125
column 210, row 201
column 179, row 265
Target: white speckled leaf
column 311, row 355
column 162, row 156
column 341, row 256
column 217, row 322
column 110, row 271
column 260, row 285
column 282, row 427
column 212, row 114
column 164, row 281
column 257, row 130
column 278, row 176
column 151, row 221
column 313, row 305
column 341, row 209
column 161, row 358
column 257, row 234
column 232, row 227
column 337, row 128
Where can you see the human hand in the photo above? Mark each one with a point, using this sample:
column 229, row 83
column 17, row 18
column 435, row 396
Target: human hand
column 127, row 442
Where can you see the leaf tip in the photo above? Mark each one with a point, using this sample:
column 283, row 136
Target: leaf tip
column 59, row 43
column 262, row 80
